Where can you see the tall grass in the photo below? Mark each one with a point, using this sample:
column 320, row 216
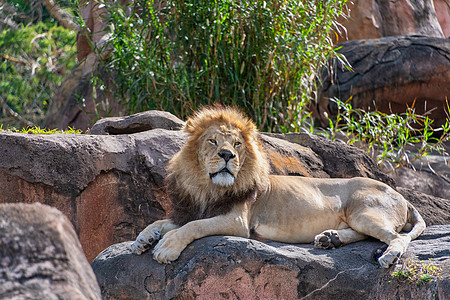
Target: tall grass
column 261, row 56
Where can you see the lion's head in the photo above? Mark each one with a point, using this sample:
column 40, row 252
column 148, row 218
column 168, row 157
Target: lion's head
column 223, row 156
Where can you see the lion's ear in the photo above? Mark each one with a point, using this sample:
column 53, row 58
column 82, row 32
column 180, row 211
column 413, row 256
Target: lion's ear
column 189, row 126
column 250, row 125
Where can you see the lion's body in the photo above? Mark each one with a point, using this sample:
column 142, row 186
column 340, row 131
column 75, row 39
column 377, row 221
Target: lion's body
column 309, row 206
column 219, row 183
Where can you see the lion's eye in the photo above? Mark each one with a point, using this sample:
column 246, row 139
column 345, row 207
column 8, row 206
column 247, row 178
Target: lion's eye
column 237, row 144
column 212, row 142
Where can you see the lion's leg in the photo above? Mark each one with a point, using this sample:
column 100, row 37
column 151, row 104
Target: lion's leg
column 382, row 228
column 330, row 239
column 174, row 242
column 397, row 246
column 151, row 234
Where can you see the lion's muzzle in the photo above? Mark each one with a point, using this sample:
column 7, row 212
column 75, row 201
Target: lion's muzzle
column 224, row 170
column 226, row 155
column 224, row 177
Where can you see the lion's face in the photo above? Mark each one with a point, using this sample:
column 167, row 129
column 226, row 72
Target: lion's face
column 223, row 155
column 222, row 151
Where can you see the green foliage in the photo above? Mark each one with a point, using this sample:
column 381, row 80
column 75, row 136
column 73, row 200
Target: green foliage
column 261, row 56
column 394, row 140
column 38, row 130
column 32, row 11
column 35, row 56
column 416, row 271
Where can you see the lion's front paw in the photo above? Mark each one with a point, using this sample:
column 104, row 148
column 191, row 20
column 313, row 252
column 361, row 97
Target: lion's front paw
column 328, row 239
column 144, row 240
column 169, row 248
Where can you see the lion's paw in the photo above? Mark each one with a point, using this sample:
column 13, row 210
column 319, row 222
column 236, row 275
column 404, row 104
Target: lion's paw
column 328, row 239
column 144, row 240
column 389, row 257
column 169, row 248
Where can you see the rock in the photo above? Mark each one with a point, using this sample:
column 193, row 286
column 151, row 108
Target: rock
column 371, row 19
column 221, row 267
column 108, row 186
column 431, row 175
column 41, row 257
column 442, row 9
column 339, row 159
column 423, row 181
column 390, row 74
column 292, row 159
column 428, row 205
column 111, row 186
column 139, row 122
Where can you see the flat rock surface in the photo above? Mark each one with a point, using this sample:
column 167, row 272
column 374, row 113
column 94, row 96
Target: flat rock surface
column 223, row 267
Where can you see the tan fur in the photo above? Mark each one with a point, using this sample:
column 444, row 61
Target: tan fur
column 245, row 198
column 187, row 165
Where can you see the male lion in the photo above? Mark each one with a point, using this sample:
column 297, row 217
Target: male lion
column 219, row 183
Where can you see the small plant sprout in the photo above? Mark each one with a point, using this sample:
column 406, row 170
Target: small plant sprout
column 417, row 271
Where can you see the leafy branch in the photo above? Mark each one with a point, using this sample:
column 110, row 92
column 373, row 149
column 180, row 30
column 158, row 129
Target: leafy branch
column 394, row 140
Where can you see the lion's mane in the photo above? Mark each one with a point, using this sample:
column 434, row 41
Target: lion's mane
column 192, row 192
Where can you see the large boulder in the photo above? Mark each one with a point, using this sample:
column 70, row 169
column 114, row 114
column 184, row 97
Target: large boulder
column 237, row 268
column 389, row 75
column 428, row 205
column 41, row 257
column 108, row 186
column 430, row 175
column 339, row 159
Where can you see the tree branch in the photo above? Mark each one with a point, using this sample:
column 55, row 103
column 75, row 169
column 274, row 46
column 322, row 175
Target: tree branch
column 16, row 60
column 15, row 115
column 63, row 17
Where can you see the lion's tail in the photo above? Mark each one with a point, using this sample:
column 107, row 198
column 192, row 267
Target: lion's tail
column 415, row 222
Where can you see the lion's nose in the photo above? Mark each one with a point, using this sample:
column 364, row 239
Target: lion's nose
column 226, row 155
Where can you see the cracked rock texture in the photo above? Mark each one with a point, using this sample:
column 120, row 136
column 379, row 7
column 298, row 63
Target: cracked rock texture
column 41, row 257
column 111, row 186
column 236, row 268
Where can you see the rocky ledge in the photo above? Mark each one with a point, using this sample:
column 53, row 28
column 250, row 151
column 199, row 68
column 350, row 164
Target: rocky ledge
column 111, row 186
column 221, row 267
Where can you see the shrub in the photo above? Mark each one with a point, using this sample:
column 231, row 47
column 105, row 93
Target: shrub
column 394, row 140
column 35, row 55
column 261, row 56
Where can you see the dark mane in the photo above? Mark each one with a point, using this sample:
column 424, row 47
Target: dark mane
column 186, row 209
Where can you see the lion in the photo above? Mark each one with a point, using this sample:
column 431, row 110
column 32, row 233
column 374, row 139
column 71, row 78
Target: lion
column 219, row 184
